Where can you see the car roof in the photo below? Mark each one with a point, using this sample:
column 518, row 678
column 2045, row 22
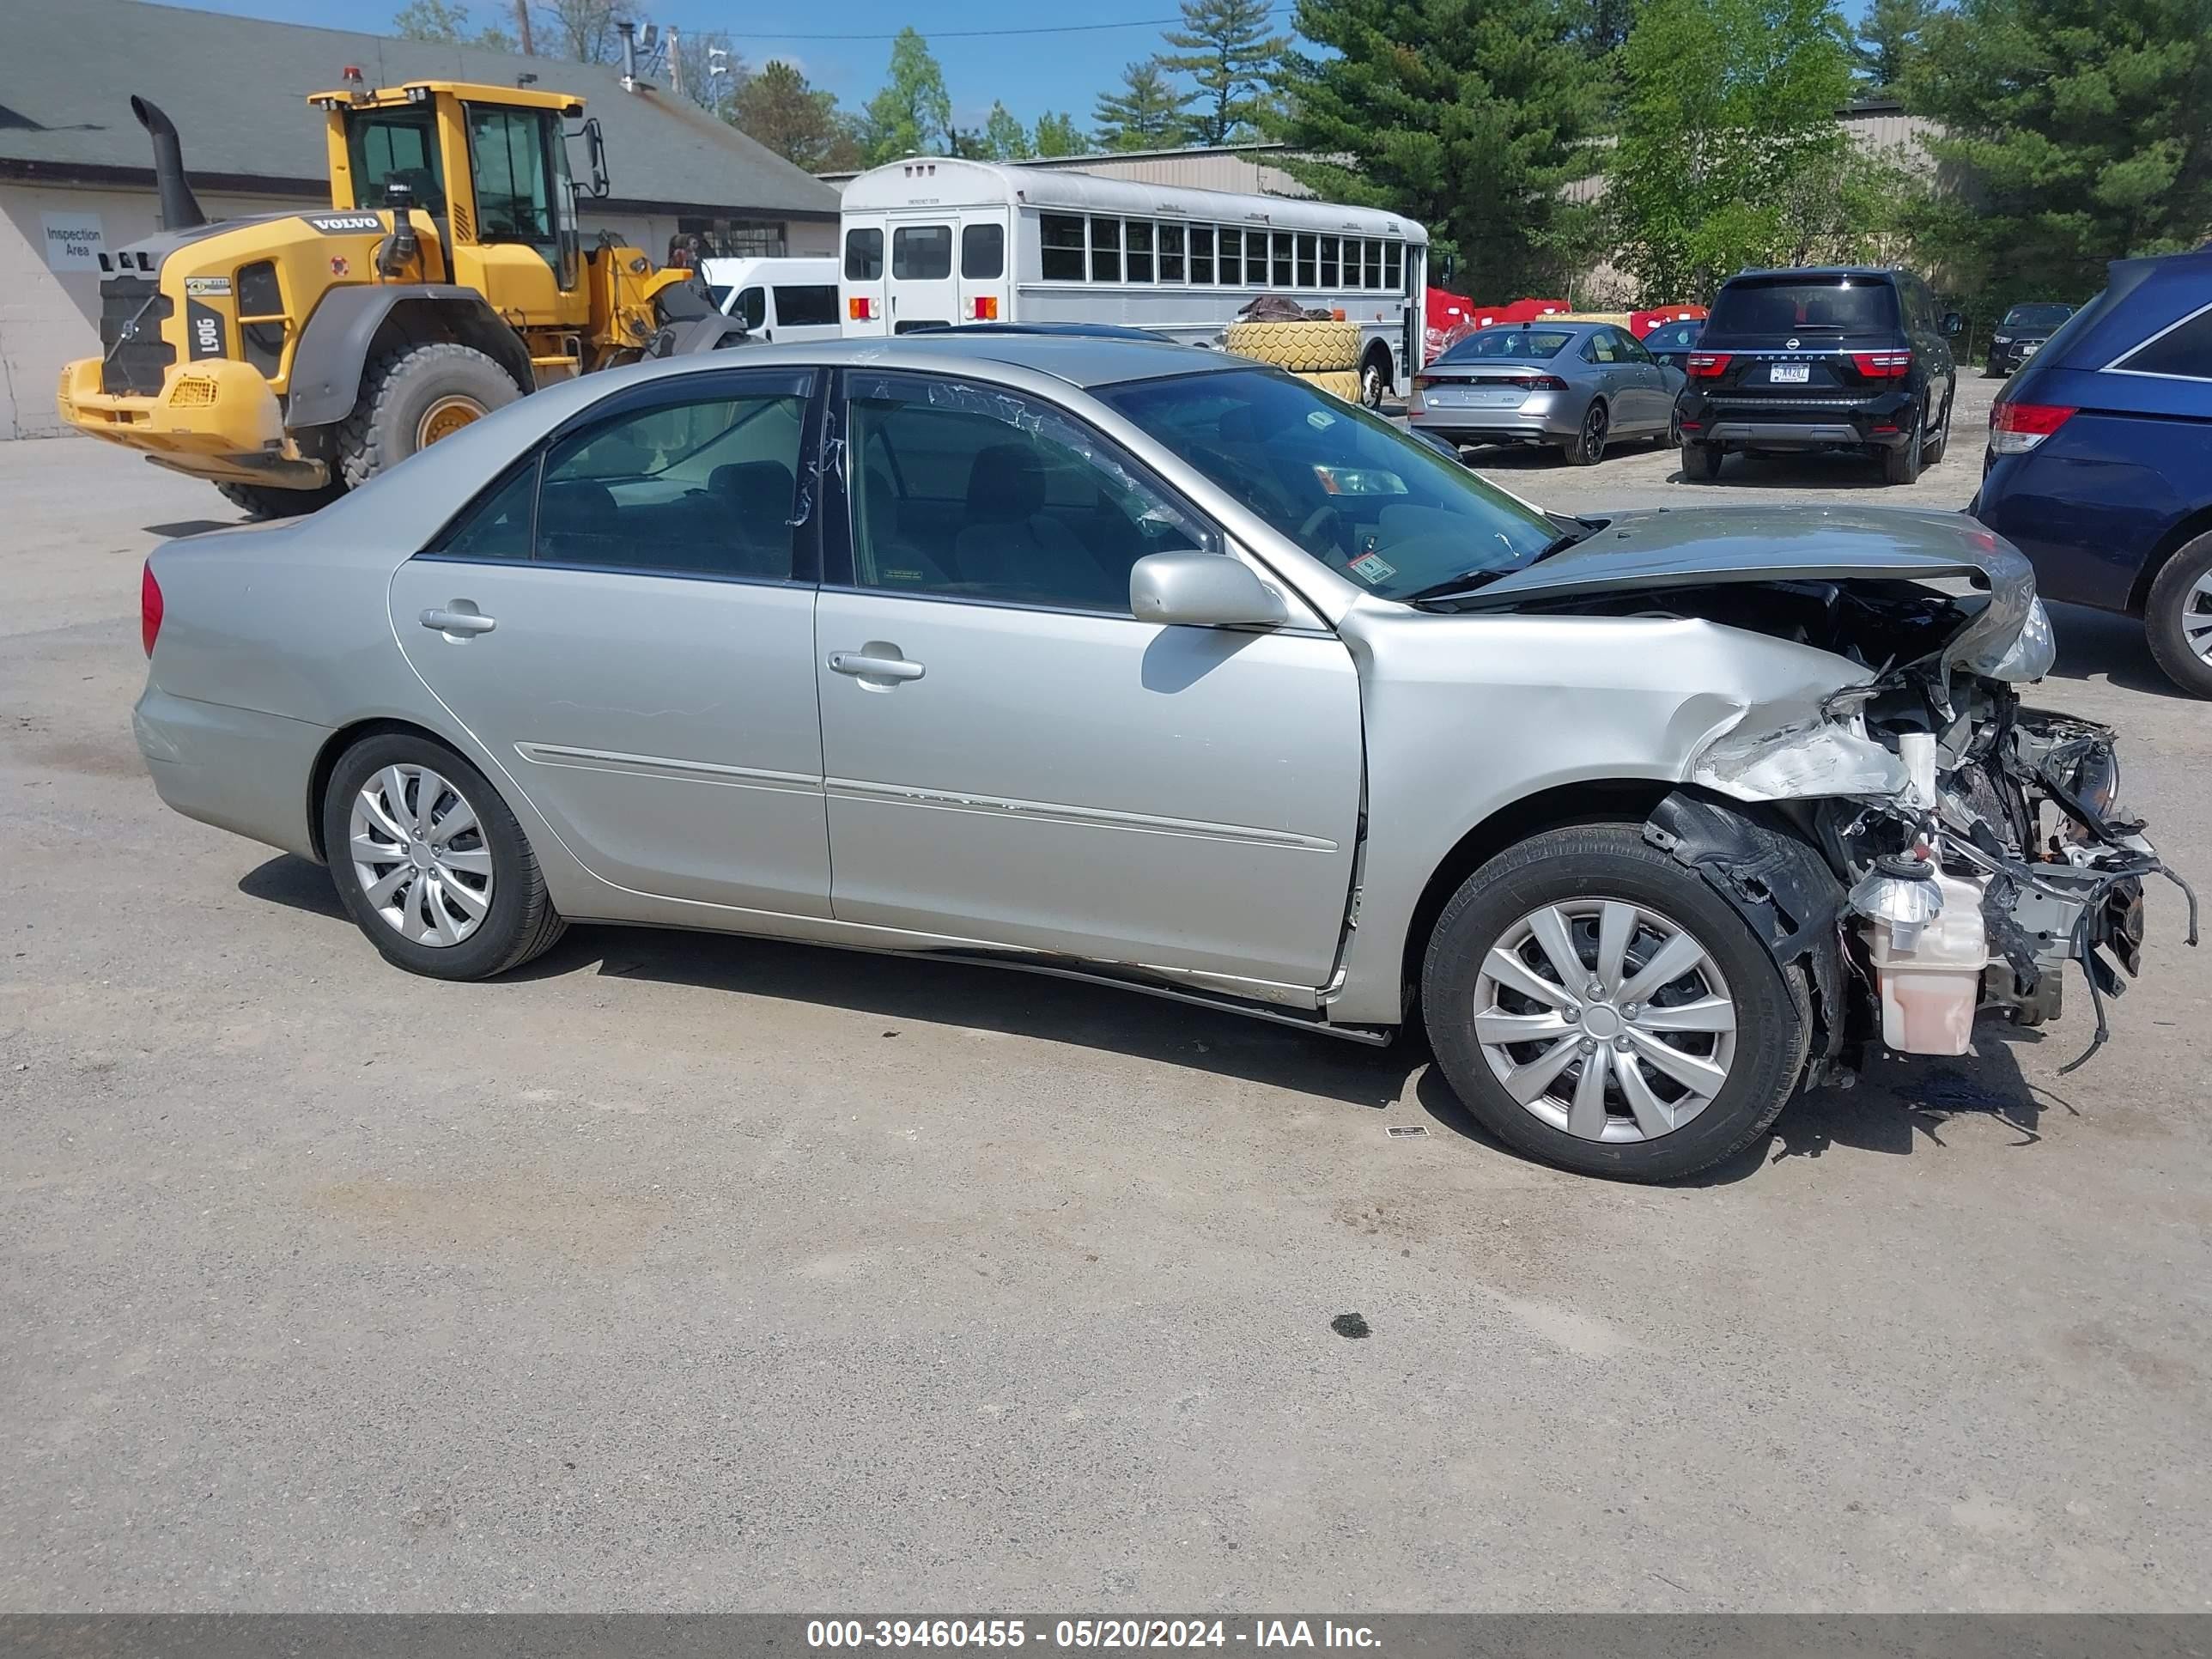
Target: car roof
column 1885, row 272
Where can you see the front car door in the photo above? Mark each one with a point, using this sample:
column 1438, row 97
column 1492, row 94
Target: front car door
column 1655, row 388
column 626, row 625
column 1011, row 757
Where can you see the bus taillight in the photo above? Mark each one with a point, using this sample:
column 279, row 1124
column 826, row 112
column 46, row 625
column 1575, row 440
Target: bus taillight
column 858, row 308
column 987, row 308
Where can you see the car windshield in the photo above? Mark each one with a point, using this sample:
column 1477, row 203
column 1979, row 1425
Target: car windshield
column 1674, row 334
column 2041, row 316
column 1791, row 305
column 1525, row 344
column 1397, row 516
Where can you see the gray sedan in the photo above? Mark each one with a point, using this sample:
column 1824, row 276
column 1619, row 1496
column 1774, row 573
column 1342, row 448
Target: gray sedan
column 1145, row 665
column 1577, row 385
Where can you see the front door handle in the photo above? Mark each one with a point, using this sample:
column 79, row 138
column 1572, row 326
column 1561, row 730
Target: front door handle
column 875, row 662
column 454, row 620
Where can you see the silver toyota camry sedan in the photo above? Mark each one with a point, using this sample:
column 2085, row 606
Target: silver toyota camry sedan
column 1152, row 666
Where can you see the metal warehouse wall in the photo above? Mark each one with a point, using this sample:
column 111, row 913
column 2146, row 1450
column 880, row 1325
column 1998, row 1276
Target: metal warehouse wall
column 48, row 318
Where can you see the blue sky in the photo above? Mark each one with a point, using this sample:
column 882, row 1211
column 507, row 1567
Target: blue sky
column 1030, row 73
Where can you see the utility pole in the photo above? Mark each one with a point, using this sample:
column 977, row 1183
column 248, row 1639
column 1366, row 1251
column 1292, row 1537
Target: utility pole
column 522, row 27
column 675, row 62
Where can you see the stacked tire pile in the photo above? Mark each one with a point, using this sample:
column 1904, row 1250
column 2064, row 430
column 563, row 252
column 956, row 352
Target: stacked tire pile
column 1325, row 353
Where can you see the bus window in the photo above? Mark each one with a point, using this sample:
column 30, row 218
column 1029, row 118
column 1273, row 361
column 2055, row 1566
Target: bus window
column 1329, row 269
column 1232, row 258
column 983, row 251
column 1374, row 263
column 864, row 255
column 1105, row 250
column 1201, row 253
column 1394, row 266
column 1139, row 233
column 1306, row 260
column 921, row 252
column 1283, row 277
column 1062, row 234
column 1171, row 253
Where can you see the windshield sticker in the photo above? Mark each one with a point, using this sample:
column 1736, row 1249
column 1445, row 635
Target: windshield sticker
column 1321, row 420
column 1370, row 568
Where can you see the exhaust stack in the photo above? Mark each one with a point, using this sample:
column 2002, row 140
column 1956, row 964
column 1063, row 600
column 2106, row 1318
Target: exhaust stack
column 180, row 209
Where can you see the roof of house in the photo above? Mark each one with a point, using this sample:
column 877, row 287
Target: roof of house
column 237, row 88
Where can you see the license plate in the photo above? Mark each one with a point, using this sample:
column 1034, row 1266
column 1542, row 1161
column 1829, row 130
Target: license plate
column 2028, row 350
column 1789, row 374
column 1478, row 397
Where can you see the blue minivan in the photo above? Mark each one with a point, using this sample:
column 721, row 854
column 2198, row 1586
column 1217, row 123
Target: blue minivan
column 2099, row 461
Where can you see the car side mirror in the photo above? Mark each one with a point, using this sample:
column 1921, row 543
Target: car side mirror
column 1952, row 323
column 1201, row 589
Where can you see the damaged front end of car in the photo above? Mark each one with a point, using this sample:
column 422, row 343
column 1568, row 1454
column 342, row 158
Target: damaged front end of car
column 1917, row 845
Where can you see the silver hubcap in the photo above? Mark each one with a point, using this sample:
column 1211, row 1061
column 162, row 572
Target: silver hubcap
column 1606, row 1019
column 419, row 855
column 1371, row 386
column 2197, row 617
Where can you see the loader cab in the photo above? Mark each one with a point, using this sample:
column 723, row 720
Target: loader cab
column 490, row 168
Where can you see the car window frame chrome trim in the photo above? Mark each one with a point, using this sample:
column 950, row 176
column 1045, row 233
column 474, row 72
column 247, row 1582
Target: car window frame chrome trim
column 2149, row 340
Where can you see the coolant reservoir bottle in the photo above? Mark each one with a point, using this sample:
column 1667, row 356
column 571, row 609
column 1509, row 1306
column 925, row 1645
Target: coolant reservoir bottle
column 1930, row 972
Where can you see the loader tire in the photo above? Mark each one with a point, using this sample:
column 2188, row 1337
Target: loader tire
column 265, row 501
column 1337, row 382
column 412, row 396
column 1302, row 348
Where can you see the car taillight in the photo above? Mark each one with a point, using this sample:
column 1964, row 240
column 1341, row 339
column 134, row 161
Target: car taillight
column 1423, row 382
column 1542, row 383
column 149, row 609
column 858, row 309
column 2015, row 428
column 1706, row 365
column 1883, row 365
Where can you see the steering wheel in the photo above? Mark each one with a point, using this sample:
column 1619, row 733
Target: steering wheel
column 1320, row 516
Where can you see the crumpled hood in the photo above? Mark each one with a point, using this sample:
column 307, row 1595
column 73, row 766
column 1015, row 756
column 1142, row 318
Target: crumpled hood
column 1652, row 551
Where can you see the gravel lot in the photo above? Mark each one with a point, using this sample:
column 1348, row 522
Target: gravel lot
column 682, row 1271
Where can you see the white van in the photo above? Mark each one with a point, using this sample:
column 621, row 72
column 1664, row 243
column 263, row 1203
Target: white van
column 776, row 299
column 932, row 241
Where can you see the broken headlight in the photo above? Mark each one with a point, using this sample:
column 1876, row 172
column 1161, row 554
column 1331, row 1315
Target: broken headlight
column 2031, row 654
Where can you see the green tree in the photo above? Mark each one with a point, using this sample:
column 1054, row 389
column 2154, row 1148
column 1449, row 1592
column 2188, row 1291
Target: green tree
column 444, row 20
column 1605, row 25
column 2083, row 130
column 1888, row 42
column 1056, row 135
column 797, row 121
column 913, row 114
column 1473, row 119
column 1005, row 139
column 711, row 72
column 1145, row 113
column 1227, row 48
column 583, row 30
column 1729, row 152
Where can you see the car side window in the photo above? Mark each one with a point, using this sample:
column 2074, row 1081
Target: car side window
column 1601, row 348
column 706, row 487
column 2184, row 351
column 498, row 527
column 1631, row 349
column 973, row 492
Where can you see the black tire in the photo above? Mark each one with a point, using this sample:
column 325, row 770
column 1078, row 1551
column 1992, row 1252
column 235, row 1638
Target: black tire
column 1613, row 861
column 1701, row 462
column 1587, row 446
column 520, row 921
column 263, row 501
column 405, row 388
column 1673, row 434
column 1375, row 379
column 1934, row 450
column 2174, row 599
column 1901, row 466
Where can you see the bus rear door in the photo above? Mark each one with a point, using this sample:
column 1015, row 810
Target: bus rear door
column 924, row 292
column 860, row 281
column 986, row 255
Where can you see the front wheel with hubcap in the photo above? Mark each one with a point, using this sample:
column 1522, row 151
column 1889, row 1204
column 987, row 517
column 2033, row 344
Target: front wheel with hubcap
column 1588, row 446
column 1597, row 1006
column 1901, row 466
column 1936, row 445
column 430, row 864
column 2178, row 618
column 1374, row 382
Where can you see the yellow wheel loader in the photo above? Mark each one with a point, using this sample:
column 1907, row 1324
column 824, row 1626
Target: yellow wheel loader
column 289, row 358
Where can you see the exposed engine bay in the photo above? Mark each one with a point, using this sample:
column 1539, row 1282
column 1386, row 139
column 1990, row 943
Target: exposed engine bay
column 1920, row 842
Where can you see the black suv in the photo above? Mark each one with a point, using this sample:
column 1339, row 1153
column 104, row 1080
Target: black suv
column 1829, row 358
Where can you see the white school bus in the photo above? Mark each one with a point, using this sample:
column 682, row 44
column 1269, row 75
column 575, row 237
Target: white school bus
column 933, row 241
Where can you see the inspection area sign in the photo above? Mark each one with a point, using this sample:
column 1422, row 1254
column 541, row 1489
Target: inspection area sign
column 74, row 242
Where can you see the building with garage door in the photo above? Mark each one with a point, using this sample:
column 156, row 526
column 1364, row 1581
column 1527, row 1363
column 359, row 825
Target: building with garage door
column 77, row 174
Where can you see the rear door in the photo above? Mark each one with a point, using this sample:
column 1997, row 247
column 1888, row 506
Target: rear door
column 867, row 294
column 986, row 247
column 924, row 292
column 626, row 626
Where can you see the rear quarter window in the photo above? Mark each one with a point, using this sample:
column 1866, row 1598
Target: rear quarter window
column 2182, row 351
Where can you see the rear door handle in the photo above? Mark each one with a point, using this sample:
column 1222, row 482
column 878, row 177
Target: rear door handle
column 448, row 620
column 862, row 666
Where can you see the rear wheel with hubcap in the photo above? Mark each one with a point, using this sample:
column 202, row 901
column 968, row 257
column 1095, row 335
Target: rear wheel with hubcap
column 1936, row 447
column 1901, row 466
column 430, row 864
column 1701, row 462
column 413, row 396
column 1597, row 1006
column 1374, row 380
column 2178, row 618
